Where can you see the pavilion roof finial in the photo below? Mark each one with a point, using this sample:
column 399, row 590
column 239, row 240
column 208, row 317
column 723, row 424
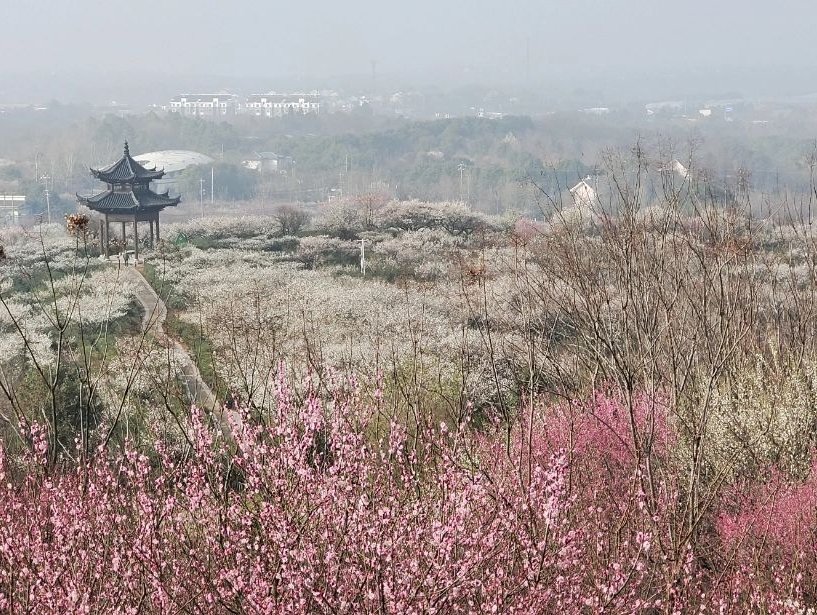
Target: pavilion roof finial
column 126, row 170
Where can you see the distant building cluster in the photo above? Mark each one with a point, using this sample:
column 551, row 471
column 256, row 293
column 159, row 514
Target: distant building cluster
column 224, row 105
column 680, row 109
column 205, row 105
column 409, row 104
column 279, row 105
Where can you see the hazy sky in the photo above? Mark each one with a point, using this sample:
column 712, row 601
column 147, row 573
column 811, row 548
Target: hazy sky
column 319, row 37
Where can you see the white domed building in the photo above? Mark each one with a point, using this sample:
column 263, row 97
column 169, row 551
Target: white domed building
column 172, row 162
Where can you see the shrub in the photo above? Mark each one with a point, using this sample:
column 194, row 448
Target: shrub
column 316, row 251
column 218, row 228
column 291, row 219
column 343, row 219
column 282, row 244
column 455, row 218
column 422, row 253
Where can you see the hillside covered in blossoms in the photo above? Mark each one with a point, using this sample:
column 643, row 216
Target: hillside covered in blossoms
column 397, row 406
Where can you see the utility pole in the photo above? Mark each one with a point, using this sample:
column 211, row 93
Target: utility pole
column 201, row 196
column 45, row 179
column 461, row 169
column 212, row 185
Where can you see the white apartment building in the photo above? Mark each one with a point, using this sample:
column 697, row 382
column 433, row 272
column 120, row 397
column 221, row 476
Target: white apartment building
column 205, row 105
column 278, row 105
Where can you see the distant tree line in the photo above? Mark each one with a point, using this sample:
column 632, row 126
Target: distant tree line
column 493, row 164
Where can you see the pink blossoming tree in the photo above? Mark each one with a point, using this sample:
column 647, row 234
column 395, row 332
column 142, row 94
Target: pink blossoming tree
column 324, row 509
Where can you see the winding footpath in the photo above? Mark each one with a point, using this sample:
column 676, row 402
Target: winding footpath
column 153, row 321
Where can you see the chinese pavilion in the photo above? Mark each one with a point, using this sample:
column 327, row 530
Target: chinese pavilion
column 128, row 199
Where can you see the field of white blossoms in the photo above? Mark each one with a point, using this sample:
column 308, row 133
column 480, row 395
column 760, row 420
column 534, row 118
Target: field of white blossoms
column 262, row 300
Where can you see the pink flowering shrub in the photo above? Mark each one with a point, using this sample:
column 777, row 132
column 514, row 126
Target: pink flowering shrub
column 314, row 511
column 770, row 530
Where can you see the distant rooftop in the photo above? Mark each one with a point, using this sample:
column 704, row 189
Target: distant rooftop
column 203, row 97
column 283, row 97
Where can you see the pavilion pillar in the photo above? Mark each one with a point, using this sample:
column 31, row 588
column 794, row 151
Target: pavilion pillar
column 124, row 245
column 135, row 241
column 107, row 237
column 157, row 227
column 101, row 236
column 151, row 233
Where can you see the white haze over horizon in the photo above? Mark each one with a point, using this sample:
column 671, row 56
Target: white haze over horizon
column 475, row 41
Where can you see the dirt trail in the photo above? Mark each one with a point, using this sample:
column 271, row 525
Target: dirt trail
column 153, row 321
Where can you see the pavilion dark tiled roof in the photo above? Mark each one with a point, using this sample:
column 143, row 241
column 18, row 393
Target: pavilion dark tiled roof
column 110, row 201
column 125, row 170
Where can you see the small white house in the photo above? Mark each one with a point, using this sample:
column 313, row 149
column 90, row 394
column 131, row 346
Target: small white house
column 677, row 168
column 268, row 162
column 584, row 196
